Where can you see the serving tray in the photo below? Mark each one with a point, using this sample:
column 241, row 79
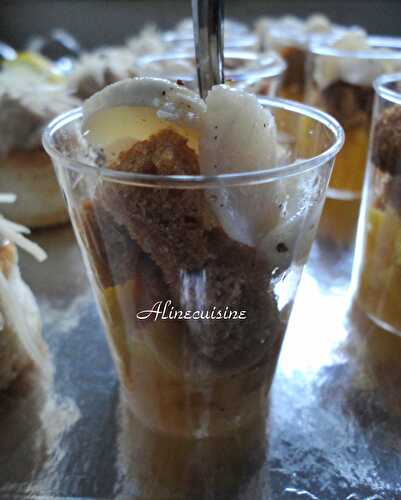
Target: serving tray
column 333, row 429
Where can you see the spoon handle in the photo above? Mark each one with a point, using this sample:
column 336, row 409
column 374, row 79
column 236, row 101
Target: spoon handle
column 208, row 17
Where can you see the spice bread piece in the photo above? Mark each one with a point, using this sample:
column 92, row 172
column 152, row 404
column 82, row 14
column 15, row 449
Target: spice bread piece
column 387, row 141
column 234, row 277
column 117, row 258
column 350, row 104
column 168, row 224
column 294, row 76
column 115, row 255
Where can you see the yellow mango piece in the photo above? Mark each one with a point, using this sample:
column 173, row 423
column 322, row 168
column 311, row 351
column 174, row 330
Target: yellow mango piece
column 349, row 168
column 338, row 222
column 379, row 292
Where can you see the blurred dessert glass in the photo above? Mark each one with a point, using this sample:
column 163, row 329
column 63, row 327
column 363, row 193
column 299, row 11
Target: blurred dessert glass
column 174, row 259
column 340, row 81
column 32, row 93
column 260, row 74
column 377, row 269
column 291, row 36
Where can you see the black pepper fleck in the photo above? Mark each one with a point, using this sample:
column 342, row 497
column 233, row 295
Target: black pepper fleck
column 281, row 248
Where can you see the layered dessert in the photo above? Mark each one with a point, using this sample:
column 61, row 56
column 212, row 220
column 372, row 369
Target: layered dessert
column 257, row 73
column 291, row 36
column 379, row 288
column 31, row 95
column 21, row 343
column 188, row 279
column 342, row 85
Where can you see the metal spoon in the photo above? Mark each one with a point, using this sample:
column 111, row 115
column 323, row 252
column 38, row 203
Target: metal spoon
column 208, row 17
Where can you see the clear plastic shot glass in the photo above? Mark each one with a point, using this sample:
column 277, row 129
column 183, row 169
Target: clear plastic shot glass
column 260, row 74
column 195, row 304
column 377, row 268
column 341, row 83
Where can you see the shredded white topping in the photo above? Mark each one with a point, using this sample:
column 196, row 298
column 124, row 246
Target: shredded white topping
column 14, row 233
column 10, row 298
column 10, row 306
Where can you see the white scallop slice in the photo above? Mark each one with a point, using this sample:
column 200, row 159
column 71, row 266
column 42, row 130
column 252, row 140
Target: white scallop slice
column 135, row 108
column 295, row 230
column 238, row 135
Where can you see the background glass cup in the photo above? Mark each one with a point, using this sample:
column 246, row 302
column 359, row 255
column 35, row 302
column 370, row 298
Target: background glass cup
column 377, row 268
column 200, row 377
column 293, row 48
column 351, row 103
column 257, row 73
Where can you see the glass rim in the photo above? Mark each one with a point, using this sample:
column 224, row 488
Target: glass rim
column 381, row 89
column 379, row 49
column 176, row 36
column 271, row 64
column 231, row 41
column 205, row 181
column 230, row 25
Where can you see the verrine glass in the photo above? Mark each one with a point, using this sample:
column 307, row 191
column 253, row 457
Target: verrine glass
column 195, row 314
column 341, row 83
column 377, row 268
